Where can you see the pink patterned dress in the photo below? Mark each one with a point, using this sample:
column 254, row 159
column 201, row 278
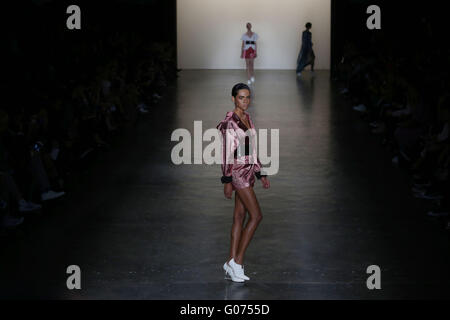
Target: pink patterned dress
column 240, row 163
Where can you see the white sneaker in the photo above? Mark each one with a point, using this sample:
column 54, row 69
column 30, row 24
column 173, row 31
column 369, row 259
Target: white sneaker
column 252, row 79
column 51, row 195
column 28, row 206
column 142, row 110
column 437, row 214
column 428, row 196
column 142, row 107
column 360, row 108
column 238, row 270
column 229, row 273
column 9, row 221
column 249, row 82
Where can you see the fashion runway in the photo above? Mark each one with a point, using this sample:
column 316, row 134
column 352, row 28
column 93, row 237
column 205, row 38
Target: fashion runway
column 141, row 227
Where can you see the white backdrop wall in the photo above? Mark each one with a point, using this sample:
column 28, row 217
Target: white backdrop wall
column 209, row 32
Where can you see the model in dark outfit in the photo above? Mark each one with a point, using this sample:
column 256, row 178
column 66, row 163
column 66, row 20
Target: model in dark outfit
column 306, row 56
column 239, row 167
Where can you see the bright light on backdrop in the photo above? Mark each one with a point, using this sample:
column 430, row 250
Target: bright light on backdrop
column 209, row 32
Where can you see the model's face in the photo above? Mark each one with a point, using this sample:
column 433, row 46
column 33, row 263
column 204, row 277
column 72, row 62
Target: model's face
column 249, row 26
column 242, row 99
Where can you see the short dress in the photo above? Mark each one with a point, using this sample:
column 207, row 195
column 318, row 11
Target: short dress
column 249, row 45
column 240, row 163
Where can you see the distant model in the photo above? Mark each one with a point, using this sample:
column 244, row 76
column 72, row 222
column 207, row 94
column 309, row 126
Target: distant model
column 249, row 51
column 306, row 56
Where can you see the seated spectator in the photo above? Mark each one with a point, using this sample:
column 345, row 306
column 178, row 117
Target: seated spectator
column 10, row 140
column 8, row 187
column 432, row 165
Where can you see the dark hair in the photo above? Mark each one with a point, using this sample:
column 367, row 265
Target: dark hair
column 237, row 87
column 308, row 25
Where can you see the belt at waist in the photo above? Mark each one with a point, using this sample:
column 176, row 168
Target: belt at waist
column 249, row 42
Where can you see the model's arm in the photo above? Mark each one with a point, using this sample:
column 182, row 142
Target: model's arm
column 262, row 177
column 256, row 49
column 229, row 145
column 258, row 170
column 242, row 50
column 258, row 165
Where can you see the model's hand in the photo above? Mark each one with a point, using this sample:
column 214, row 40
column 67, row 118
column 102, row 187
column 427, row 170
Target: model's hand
column 242, row 55
column 256, row 54
column 265, row 182
column 228, row 190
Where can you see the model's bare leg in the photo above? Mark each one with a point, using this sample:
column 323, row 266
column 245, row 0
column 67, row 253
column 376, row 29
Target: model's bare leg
column 238, row 222
column 251, row 68
column 248, row 198
column 247, row 61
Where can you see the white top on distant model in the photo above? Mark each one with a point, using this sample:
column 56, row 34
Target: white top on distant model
column 245, row 37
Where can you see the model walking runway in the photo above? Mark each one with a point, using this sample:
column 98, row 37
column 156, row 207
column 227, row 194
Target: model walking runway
column 141, row 227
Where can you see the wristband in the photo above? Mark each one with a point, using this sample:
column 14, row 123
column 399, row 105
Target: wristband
column 226, row 179
column 259, row 175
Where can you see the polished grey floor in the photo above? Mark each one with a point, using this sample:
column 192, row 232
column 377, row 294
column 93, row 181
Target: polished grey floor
column 140, row 227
